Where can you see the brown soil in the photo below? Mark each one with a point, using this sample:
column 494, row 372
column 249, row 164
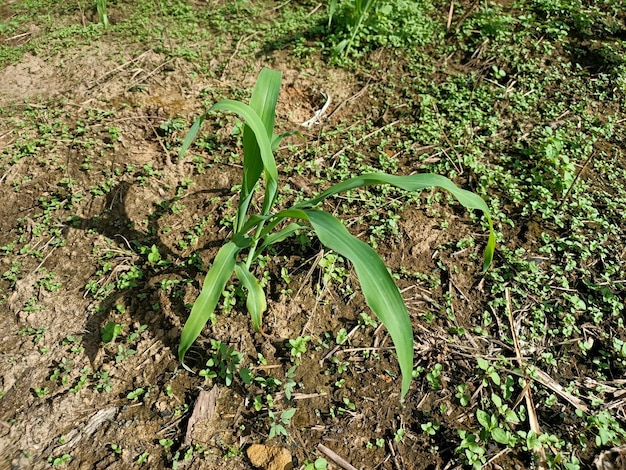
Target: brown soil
column 86, row 423
column 82, row 208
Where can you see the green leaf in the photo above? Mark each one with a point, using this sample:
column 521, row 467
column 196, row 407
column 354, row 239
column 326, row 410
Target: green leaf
column 279, row 236
column 320, row 464
column 286, row 415
column 258, row 127
column 277, row 138
column 332, row 8
column 191, row 135
column 258, row 139
column 415, row 183
column 484, row 419
column 495, row 378
column 501, row 436
column 263, row 103
column 154, row 256
column 380, row 291
column 246, row 375
column 110, row 331
column 496, row 400
column 511, row 417
column 214, row 283
column 255, row 302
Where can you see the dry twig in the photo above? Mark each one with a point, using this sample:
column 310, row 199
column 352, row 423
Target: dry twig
column 335, row 457
column 532, row 412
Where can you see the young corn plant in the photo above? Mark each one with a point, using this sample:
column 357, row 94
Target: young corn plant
column 253, row 232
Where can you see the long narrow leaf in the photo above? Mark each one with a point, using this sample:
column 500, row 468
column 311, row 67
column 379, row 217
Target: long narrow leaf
column 254, row 122
column 380, row 291
column 415, row 183
column 277, row 138
column 263, row 102
column 257, row 126
column 332, row 8
column 264, row 97
column 279, row 236
column 204, row 306
column 191, row 135
column 255, row 302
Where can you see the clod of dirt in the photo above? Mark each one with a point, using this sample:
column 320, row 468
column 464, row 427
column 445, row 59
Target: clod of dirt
column 269, row 458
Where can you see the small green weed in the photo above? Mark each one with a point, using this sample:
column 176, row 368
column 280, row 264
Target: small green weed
column 277, row 427
column 298, row 347
column 111, row 331
column 364, row 24
column 59, row 461
column 357, row 15
column 318, row 464
column 224, row 364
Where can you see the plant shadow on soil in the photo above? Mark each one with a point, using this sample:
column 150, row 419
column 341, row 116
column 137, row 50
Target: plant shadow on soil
column 141, row 402
column 116, row 224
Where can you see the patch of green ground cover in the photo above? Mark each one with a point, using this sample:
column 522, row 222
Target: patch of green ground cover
column 50, row 27
column 358, row 27
column 519, row 126
column 515, row 148
column 43, row 136
column 176, row 28
column 522, row 137
column 300, row 29
column 520, row 145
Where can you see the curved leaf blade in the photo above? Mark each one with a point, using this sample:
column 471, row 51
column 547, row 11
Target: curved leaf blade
column 380, row 291
column 220, row 272
column 263, row 102
column 279, row 236
column 258, row 128
column 265, row 96
column 264, row 145
column 415, row 183
column 191, row 135
column 255, row 302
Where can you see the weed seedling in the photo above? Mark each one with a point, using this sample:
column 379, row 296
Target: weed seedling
column 143, row 458
column 430, row 428
column 58, row 461
column 135, row 394
column 319, row 464
column 110, row 331
column 253, row 233
column 277, row 427
column 298, row 347
column 224, row 364
column 359, row 10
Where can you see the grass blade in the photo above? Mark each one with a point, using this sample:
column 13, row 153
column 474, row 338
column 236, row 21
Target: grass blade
column 263, row 102
column 204, row 306
column 332, row 9
column 264, row 97
column 255, row 302
column 191, row 135
column 380, row 291
column 263, row 140
column 415, row 183
column 279, row 236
